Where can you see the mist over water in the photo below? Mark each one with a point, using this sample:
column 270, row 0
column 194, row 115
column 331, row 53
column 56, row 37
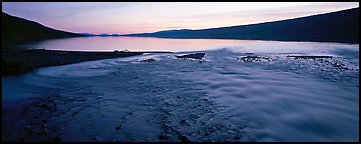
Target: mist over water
column 219, row 98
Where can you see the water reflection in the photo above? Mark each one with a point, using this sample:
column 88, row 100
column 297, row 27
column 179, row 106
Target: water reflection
column 176, row 45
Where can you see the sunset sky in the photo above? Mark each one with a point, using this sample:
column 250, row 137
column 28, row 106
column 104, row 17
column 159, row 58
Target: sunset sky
column 139, row 17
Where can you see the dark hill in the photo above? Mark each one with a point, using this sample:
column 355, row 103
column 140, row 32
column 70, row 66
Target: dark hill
column 18, row 30
column 340, row 26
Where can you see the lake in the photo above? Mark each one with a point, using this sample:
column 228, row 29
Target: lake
column 243, row 90
column 178, row 45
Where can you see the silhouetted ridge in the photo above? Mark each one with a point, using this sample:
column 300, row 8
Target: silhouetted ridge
column 16, row 30
column 340, row 26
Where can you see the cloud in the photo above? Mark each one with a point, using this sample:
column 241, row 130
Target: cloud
column 53, row 10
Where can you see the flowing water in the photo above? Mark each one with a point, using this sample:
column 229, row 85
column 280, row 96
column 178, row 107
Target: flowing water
column 241, row 90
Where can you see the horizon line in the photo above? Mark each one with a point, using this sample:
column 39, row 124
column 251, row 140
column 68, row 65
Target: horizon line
column 124, row 34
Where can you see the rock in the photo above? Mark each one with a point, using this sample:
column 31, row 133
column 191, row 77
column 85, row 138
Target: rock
column 32, row 122
column 237, row 137
column 42, row 133
column 163, row 137
column 149, row 60
column 118, row 127
column 251, row 58
column 310, row 57
column 74, row 113
column 184, row 139
column 183, row 122
column 44, row 126
column 96, row 139
column 193, row 56
column 57, row 139
column 43, row 106
column 44, row 121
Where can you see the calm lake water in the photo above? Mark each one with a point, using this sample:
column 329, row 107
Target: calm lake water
column 219, row 98
column 180, row 45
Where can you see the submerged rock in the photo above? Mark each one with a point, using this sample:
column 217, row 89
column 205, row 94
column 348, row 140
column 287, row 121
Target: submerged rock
column 43, row 106
column 184, row 139
column 148, row 60
column 252, row 58
column 193, row 56
column 118, row 127
column 74, row 114
column 310, row 57
column 163, row 137
column 183, row 122
column 96, row 138
column 57, row 139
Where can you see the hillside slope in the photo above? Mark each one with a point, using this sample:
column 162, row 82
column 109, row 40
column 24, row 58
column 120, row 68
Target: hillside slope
column 16, row 30
column 340, row 26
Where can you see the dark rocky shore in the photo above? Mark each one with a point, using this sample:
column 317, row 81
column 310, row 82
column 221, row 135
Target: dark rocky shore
column 16, row 61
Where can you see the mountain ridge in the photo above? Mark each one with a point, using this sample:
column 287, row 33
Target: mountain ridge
column 340, row 26
column 19, row 30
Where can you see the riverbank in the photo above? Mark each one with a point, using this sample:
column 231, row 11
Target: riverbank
column 17, row 61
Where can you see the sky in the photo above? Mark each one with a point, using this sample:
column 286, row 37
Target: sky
column 140, row 17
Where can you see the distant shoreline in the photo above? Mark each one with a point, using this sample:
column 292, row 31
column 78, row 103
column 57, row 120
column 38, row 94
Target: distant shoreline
column 20, row 61
column 254, row 39
column 339, row 26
